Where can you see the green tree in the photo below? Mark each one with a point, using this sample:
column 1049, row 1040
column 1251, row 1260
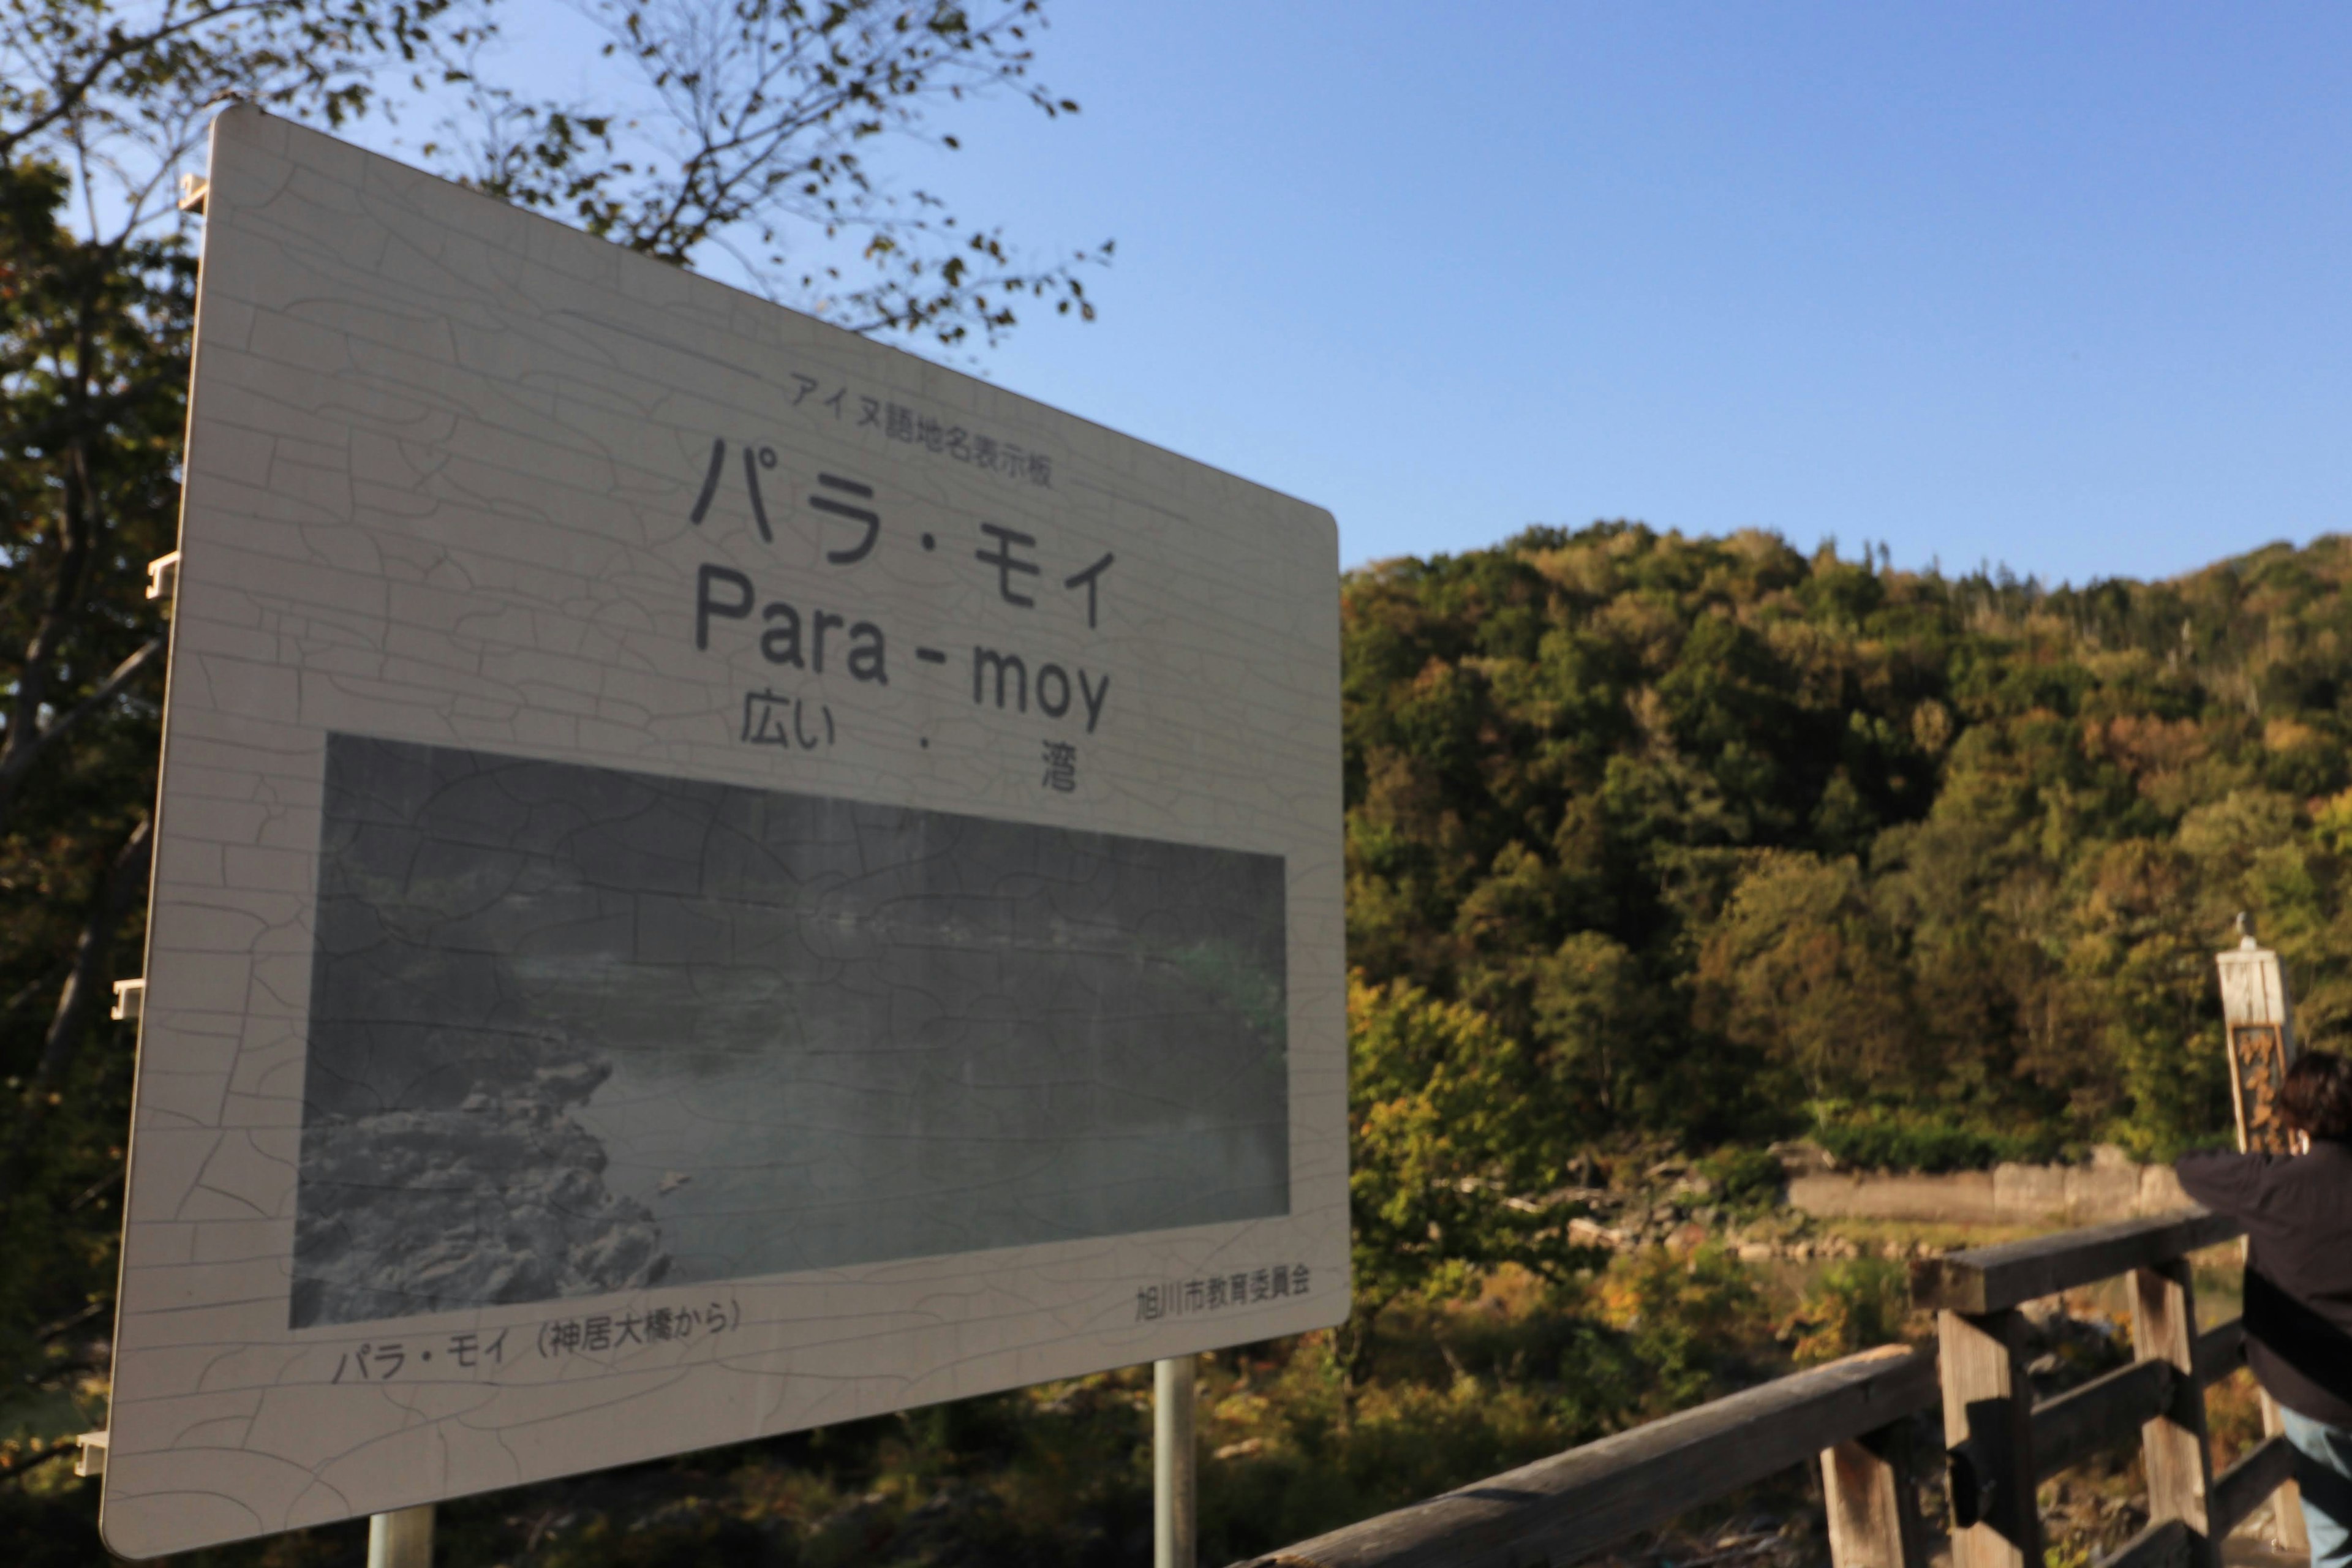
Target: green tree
column 1449, row 1130
column 92, row 380
column 1594, row 1013
column 1714, row 830
column 1802, row 970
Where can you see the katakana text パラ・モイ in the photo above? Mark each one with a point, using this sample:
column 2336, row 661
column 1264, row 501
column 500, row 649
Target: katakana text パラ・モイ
column 382, row 1360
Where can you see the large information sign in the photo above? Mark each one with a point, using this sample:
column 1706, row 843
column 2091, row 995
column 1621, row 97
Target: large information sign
column 712, row 876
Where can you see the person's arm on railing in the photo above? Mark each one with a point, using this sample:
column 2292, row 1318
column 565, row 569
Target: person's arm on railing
column 2230, row 1184
column 2298, row 1290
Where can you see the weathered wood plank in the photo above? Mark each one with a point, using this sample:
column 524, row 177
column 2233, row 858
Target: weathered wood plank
column 1992, row 1278
column 1989, row 1431
column 2289, row 1531
column 1575, row 1503
column 2241, row 1488
column 2220, row 1350
column 2104, row 1413
column 2164, row 1544
column 2172, row 1444
column 1873, row 1514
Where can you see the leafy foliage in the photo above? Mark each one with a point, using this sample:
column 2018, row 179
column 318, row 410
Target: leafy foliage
column 1450, row 1120
column 1747, row 1181
column 1468, row 1388
column 1853, row 1306
column 119, row 87
column 1684, row 1314
column 1723, row 840
column 1887, row 1138
column 92, row 380
column 764, row 109
column 1060, row 1474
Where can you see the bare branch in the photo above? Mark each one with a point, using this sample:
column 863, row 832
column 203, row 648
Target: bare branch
column 16, row 762
column 757, row 115
column 124, row 887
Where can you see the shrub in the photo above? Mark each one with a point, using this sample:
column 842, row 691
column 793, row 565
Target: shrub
column 1747, row 1181
column 1686, row 1316
column 1853, row 1306
column 1878, row 1138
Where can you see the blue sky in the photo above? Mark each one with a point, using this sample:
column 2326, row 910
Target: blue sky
column 2068, row 288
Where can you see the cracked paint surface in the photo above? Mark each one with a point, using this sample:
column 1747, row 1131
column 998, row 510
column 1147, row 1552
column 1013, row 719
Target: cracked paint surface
column 915, row 968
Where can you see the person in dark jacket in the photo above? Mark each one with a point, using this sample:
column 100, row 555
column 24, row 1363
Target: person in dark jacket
column 2297, row 1211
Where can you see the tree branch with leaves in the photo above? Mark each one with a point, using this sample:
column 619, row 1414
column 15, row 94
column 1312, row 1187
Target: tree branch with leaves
column 753, row 140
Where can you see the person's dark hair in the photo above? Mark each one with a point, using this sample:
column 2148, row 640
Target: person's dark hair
column 2316, row 1097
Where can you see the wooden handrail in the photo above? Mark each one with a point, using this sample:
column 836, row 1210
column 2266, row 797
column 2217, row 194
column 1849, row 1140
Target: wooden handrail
column 2109, row 1410
column 2000, row 1446
column 2220, row 1350
column 2241, row 1488
column 2101, row 1414
column 1852, row 1416
column 1993, row 1279
column 1580, row 1502
column 2164, row 1544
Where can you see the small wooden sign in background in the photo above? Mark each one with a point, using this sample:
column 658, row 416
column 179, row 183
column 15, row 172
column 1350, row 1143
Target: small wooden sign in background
column 2257, row 1020
column 2260, row 1022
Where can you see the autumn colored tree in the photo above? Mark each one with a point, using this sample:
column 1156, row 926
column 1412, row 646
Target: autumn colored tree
column 1728, row 840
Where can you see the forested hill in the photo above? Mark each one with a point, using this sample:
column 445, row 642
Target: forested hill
column 1714, row 838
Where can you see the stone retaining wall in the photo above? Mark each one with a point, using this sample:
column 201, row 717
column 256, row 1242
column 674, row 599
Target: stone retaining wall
column 2109, row 1189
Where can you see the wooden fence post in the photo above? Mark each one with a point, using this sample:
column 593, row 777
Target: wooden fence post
column 2180, row 1466
column 1988, row 1414
column 1873, row 1514
column 2287, row 1531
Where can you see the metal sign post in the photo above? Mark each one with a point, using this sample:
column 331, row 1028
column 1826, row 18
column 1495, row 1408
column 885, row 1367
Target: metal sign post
column 1175, row 1465
column 401, row 1539
column 2258, row 1022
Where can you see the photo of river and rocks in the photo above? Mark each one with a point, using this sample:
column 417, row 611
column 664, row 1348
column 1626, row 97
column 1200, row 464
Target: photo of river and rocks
column 575, row 1030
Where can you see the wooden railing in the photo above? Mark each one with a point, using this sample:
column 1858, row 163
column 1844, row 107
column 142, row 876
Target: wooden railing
column 2001, row 1445
column 1852, row 1418
column 1852, row 1413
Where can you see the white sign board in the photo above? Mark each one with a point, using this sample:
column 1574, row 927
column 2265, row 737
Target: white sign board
column 713, row 876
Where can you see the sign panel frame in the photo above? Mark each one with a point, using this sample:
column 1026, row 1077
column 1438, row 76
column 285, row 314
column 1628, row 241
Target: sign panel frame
column 661, row 597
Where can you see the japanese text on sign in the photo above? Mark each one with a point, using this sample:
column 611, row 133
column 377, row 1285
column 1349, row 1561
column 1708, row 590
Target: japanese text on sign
column 1218, row 1292
column 899, row 423
column 813, row 639
column 657, row 1325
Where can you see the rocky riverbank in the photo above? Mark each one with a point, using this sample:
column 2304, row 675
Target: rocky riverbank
column 1674, row 1203
column 497, row 1197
